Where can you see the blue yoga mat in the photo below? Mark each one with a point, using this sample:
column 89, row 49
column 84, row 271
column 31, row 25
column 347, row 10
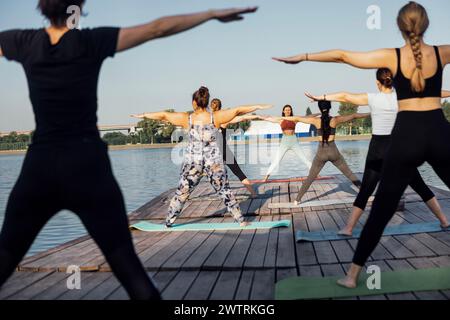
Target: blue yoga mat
column 317, row 236
column 154, row 227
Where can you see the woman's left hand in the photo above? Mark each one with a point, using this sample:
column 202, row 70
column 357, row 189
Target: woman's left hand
column 313, row 98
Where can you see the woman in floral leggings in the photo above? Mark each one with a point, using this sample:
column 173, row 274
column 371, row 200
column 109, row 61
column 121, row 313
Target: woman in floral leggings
column 203, row 155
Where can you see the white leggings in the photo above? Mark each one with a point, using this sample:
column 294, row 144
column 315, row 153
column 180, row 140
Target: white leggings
column 288, row 143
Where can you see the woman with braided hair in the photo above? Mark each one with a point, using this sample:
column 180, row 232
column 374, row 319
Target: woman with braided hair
column 421, row 130
column 327, row 151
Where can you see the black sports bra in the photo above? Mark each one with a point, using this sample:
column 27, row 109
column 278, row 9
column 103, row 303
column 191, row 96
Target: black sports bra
column 433, row 85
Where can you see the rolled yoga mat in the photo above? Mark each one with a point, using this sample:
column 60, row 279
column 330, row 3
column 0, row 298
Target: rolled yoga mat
column 317, row 236
column 154, row 227
column 299, row 288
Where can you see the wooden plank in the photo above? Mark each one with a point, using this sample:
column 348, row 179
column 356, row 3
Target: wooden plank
column 305, row 250
column 263, row 287
column 238, row 253
column 286, row 254
column 202, row 286
column 258, row 247
column 416, row 247
column 181, row 256
column 396, row 248
column 103, row 290
column 179, row 286
column 226, row 285
column 282, row 274
column 157, row 260
column 88, row 283
column 433, row 244
column 21, row 281
column 245, row 285
column 39, row 286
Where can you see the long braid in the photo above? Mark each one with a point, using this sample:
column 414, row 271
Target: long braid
column 417, row 78
column 413, row 22
column 325, row 125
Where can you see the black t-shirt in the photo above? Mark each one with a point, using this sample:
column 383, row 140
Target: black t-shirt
column 62, row 78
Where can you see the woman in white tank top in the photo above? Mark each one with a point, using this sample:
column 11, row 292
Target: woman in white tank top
column 384, row 108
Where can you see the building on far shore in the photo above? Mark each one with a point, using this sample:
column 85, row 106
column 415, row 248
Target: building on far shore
column 269, row 130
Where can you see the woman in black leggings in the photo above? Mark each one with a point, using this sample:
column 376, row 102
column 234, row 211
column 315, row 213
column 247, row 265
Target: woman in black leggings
column 67, row 165
column 228, row 156
column 421, row 130
column 383, row 109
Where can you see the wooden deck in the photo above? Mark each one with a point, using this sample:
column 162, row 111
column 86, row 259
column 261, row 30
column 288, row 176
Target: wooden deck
column 236, row 264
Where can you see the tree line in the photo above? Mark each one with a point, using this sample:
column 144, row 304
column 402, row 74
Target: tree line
column 153, row 132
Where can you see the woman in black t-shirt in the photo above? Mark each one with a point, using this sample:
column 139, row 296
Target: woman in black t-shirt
column 67, row 166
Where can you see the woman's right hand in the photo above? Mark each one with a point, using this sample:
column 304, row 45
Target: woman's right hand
column 138, row 116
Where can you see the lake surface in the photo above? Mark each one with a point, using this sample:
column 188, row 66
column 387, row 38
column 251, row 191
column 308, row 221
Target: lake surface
column 145, row 174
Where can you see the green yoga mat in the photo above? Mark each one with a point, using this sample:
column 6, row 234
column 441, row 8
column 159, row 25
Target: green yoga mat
column 153, row 227
column 300, row 288
column 317, row 236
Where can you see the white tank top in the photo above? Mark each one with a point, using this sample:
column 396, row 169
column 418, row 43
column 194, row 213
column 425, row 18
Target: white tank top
column 384, row 109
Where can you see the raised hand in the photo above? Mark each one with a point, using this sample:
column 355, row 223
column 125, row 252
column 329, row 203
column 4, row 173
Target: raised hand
column 290, row 60
column 230, row 15
column 313, row 98
column 139, row 116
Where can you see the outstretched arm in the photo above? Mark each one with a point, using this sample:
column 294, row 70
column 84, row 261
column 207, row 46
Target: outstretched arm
column 226, row 116
column 167, row 26
column 351, row 117
column 245, row 118
column 361, row 99
column 383, row 58
column 175, row 118
column 445, row 54
column 445, row 94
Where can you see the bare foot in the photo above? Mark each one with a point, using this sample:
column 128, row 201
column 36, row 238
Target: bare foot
column 244, row 224
column 445, row 226
column 347, row 283
column 345, row 232
column 249, row 187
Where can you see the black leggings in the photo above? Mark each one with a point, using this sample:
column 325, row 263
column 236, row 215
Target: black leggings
column 76, row 176
column 230, row 160
column 372, row 173
column 417, row 137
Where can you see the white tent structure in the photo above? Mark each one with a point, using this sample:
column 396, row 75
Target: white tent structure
column 272, row 130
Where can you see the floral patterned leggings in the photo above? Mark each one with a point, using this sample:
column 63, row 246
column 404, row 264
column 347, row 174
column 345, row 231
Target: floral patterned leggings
column 206, row 160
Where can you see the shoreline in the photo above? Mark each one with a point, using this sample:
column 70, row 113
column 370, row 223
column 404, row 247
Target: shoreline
column 172, row 145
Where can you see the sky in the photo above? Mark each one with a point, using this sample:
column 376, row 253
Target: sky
column 233, row 60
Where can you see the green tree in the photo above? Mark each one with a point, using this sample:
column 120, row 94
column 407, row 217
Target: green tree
column 344, row 110
column 115, row 138
column 154, row 131
column 308, row 111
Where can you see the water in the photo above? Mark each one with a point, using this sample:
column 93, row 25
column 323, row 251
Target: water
column 145, row 174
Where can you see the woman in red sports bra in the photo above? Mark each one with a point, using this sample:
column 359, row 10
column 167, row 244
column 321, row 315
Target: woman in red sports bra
column 421, row 130
column 289, row 141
